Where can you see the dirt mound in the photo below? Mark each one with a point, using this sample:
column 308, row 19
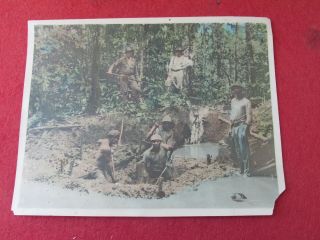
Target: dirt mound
column 66, row 157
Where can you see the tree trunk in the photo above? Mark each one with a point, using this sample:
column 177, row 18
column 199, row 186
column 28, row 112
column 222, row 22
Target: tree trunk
column 218, row 39
column 144, row 43
column 94, row 98
column 236, row 54
column 249, row 54
column 190, row 70
column 230, row 72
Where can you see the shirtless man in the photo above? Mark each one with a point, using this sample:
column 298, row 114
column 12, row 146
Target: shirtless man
column 104, row 160
column 240, row 117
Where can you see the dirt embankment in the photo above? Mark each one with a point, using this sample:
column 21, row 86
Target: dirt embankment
column 65, row 153
column 66, row 157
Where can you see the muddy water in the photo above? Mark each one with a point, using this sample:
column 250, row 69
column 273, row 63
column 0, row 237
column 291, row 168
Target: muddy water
column 197, row 151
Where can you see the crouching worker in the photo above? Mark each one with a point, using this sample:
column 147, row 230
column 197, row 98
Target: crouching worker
column 157, row 160
column 105, row 158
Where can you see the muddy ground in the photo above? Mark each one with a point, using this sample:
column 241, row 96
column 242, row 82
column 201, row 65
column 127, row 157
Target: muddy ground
column 66, row 156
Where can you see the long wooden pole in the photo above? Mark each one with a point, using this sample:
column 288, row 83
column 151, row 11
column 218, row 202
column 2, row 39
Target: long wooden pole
column 119, row 143
column 113, row 169
column 121, row 131
column 123, row 75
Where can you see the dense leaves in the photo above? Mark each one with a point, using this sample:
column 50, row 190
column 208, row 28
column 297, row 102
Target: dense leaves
column 262, row 119
column 70, row 64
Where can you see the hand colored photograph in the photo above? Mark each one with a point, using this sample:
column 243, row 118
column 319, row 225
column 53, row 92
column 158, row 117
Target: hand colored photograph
column 149, row 117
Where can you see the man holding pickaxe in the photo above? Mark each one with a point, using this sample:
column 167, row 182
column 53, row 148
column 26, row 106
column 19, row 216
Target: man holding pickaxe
column 125, row 69
column 165, row 130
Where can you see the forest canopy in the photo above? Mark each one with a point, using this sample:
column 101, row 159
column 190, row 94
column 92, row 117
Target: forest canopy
column 70, row 63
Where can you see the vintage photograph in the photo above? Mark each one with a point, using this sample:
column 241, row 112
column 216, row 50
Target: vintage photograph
column 149, row 117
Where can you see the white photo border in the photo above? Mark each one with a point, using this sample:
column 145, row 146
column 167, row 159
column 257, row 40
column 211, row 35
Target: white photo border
column 145, row 212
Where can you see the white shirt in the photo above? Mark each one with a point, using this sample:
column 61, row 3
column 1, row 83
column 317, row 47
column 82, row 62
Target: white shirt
column 179, row 63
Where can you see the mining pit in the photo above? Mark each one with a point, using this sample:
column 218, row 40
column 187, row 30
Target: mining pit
column 64, row 154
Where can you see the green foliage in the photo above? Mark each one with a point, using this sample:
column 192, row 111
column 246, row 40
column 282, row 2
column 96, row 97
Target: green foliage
column 70, row 64
column 262, row 117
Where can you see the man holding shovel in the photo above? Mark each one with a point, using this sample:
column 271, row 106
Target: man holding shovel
column 165, row 130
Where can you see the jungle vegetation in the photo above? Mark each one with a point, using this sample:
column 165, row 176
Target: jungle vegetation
column 70, row 63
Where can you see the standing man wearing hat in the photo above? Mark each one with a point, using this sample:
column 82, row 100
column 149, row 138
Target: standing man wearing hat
column 177, row 69
column 165, row 130
column 105, row 159
column 240, row 118
column 126, row 69
column 156, row 158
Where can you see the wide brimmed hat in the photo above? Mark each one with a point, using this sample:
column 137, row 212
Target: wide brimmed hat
column 166, row 119
column 179, row 48
column 129, row 49
column 237, row 86
column 156, row 137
